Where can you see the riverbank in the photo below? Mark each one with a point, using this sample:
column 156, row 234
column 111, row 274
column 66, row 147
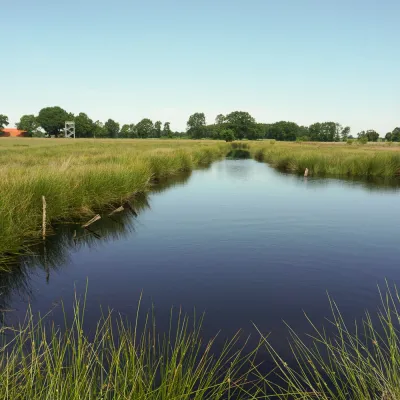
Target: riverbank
column 40, row 360
column 330, row 159
column 79, row 177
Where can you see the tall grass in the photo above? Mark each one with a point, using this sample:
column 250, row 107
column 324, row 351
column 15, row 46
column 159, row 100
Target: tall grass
column 119, row 361
column 330, row 159
column 357, row 361
column 78, row 177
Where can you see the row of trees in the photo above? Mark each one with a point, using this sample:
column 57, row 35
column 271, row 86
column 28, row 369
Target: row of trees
column 51, row 121
column 237, row 125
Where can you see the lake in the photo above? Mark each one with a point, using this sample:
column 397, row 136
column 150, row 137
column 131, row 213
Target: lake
column 239, row 241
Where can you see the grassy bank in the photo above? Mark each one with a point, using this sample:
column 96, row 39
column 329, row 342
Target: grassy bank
column 40, row 361
column 330, row 159
column 79, row 177
column 119, row 361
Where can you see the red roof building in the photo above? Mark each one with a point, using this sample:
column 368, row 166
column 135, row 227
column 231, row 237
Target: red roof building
column 11, row 132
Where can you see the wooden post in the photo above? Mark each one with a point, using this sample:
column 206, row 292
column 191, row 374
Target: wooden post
column 94, row 219
column 44, row 218
column 306, row 172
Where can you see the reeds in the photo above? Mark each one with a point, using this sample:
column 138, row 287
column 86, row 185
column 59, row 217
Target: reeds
column 119, row 361
column 336, row 160
column 360, row 361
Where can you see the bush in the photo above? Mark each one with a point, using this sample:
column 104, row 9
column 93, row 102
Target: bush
column 228, row 135
column 363, row 140
column 350, row 141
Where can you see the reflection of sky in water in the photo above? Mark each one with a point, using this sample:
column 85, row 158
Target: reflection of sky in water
column 240, row 240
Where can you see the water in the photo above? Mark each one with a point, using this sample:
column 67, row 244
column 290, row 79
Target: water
column 240, row 241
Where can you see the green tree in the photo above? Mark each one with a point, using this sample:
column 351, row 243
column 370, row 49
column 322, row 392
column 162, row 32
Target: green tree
column 242, row 124
column 112, row 128
column 157, row 129
column 196, row 125
column 220, row 119
column 3, row 121
column 370, row 135
column 394, row 135
column 167, row 130
column 145, row 128
column 99, row 130
column 125, row 131
column 228, row 135
column 84, row 126
column 30, row 124
column 52, row 119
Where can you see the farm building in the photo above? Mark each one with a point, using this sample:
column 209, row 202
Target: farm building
column 11, row 132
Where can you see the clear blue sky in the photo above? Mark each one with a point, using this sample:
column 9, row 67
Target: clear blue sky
column 297, row 60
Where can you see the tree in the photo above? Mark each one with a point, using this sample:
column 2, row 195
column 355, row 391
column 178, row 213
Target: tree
column 112, row 128
column 125, row 131
column 394, row 135
column 52, row 119
column 99, row 130
column 196, row 125
column 370, row 135
column 220, row 119
column 145, row 128
column 228, row 135
column 84, row 126
column 157, row 129
column 30, row 124
column 167, row 130
column 3, row 121
column 243, row 124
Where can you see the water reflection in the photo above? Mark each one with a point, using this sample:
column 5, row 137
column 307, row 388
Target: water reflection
column 68, row 238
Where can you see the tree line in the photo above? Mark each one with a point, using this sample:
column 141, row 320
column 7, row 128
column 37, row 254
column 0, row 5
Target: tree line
column 237, row 125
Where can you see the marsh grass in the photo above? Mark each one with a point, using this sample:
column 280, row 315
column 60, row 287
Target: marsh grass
column 360, row 361
column 117, row 361
column 336, row 160
column 79, row 177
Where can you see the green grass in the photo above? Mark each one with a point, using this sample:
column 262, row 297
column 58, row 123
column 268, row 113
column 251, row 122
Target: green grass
column 119, row 361
column 330, row 159
column 79, row 177
column 360, row 361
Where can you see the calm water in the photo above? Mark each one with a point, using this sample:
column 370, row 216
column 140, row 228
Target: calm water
column 240, row 241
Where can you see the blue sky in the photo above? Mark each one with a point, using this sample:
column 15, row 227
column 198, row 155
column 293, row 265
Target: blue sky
column 297, row 60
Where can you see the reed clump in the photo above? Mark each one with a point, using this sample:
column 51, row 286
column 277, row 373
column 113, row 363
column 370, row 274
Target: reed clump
column 78, row 177
column 117, row 361
column 337, row 160
column 357, row 361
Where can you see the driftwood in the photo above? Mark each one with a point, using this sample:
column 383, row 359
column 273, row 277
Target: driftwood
column 44, row 217
column 94, row 219
column 117, row 210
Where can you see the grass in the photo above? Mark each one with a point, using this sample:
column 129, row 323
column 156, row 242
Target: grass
column 358, row 361
column 79, row 177
column 118, row 361
column 330, row 159
column 40, row 361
